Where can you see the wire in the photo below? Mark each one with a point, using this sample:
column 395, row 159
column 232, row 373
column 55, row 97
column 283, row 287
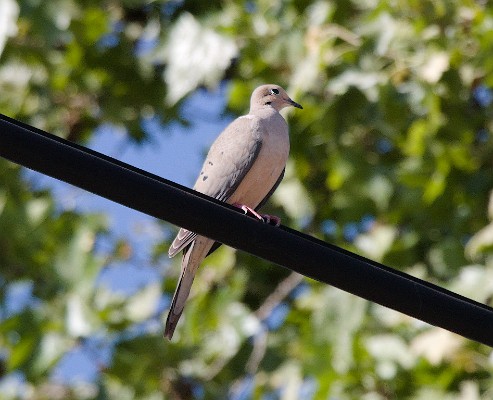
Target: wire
column 163, row 199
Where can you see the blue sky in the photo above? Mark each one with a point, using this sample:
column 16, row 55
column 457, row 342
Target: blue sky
column 174, row 152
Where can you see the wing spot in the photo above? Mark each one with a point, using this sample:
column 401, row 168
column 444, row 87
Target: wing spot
column 205, row 178
column 211, row 163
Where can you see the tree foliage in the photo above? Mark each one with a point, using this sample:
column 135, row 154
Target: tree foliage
column 391, row 158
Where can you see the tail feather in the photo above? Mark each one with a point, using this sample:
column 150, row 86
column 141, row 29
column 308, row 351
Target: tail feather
column 181, row 293
column 192, row 257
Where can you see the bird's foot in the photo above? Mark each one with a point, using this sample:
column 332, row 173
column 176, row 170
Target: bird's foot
column 266, row 218
column 249, row 211
column 271, row 219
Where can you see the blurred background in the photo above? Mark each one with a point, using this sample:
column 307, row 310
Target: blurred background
column 391, row 158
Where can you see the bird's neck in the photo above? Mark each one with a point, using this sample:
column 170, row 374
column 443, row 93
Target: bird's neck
column 264, row 110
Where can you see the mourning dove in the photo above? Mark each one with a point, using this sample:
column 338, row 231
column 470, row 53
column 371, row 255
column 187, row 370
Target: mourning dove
column 243, row 167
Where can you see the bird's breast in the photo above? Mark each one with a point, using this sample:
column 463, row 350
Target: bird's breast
column 269, row 164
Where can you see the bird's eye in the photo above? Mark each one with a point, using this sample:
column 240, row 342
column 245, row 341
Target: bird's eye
column 274, row 91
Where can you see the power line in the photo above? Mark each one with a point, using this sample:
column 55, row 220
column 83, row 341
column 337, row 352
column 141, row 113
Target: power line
column 163, row 199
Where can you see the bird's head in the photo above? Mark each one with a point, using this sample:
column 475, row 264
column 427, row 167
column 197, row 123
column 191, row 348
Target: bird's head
column 271, row 95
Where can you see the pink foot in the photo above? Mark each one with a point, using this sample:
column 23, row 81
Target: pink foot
column 266, row 218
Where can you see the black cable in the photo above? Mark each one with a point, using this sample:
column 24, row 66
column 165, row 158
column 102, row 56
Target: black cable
column 184, row 207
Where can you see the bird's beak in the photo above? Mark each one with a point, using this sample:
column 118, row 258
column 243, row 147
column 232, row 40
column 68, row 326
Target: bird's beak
column 294, row 103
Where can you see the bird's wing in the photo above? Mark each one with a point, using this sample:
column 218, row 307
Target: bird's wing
column 229, row 159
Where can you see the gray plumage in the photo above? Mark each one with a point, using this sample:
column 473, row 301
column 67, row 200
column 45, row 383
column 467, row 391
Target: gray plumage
column 244, row 166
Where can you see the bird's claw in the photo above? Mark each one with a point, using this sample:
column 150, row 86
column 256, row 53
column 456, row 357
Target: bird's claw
column 265, row 218
column 271, row 219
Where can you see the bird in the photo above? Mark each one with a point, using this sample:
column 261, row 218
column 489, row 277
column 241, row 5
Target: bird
column 243, row 167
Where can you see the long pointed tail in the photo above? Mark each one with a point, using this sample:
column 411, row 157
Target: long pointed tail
column 192, row 257
column 181, row 293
